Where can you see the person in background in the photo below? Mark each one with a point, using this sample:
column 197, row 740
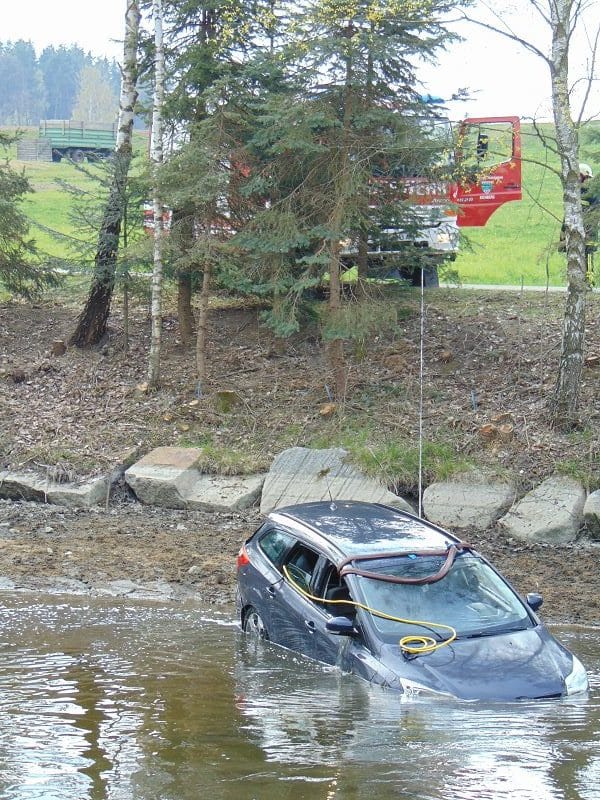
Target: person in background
column 590, row 202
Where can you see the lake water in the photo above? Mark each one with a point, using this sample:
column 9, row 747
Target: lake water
column 104, row 699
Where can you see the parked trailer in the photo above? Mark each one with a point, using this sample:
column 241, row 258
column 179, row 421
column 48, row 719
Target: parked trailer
column 79, row 140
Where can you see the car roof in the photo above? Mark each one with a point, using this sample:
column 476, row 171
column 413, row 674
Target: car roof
column 356, row 528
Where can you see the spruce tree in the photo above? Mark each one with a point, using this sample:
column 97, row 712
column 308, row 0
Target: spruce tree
column 350, row 112
column 21, row 270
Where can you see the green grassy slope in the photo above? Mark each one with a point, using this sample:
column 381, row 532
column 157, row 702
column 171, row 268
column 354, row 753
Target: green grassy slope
column 49, row 205
column 518, row 244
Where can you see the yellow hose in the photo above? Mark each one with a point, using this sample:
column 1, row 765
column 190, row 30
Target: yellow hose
column 415, row 645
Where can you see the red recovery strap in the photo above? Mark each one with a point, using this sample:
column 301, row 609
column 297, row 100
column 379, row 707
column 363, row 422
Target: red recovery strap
column 345, row 567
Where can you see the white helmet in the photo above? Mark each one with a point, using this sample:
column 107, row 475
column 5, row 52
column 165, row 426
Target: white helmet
column 586, row 170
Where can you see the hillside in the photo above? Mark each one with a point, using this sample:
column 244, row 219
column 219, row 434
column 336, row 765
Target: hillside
column 517, row 246
column 490, row 359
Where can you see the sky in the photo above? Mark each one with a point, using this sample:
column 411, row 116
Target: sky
column 503, row 79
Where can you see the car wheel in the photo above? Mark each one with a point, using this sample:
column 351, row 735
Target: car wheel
column 254, row 625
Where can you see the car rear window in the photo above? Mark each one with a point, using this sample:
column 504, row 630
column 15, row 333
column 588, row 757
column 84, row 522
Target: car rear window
column 275, row 544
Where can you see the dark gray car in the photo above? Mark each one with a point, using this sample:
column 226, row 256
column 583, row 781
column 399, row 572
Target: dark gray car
column 399, row 602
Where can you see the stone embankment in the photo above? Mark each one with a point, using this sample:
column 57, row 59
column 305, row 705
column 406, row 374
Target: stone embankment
column 557, row 511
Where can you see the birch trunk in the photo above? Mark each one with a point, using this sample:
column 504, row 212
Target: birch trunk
column 156, row 156
column 566, row 394
column 335, row 348
column 91, row 324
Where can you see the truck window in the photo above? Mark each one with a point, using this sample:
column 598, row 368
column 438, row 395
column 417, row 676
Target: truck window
column 483, row 146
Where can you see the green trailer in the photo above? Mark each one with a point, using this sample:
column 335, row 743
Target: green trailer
column 79, row 140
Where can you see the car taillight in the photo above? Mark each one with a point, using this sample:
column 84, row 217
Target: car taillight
column 242, row 558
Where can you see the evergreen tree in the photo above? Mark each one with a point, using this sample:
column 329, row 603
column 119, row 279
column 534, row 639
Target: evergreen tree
column 61, row 68
column 21, row 84
column 351, row 112
column 206, row 47
column 21, row 272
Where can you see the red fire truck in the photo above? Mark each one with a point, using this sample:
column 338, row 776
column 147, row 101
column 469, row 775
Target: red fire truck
column 484, row 160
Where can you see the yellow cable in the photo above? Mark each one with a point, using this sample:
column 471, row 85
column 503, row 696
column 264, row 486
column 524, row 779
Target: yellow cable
column 416, row 645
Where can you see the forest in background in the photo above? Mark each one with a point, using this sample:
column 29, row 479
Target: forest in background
column 61, row 83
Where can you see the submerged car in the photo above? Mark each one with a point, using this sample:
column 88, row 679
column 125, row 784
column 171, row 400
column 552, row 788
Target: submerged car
column 398, row 601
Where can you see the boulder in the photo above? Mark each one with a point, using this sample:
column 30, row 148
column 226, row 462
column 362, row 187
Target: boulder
column 169, row 477
column 468, row 501
column 552, row 512
column 225, row 492
column 31, row 486
column 165, row 476
column 302, row 475
column 591, row 514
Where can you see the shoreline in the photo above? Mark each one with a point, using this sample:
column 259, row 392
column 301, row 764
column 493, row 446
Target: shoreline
column 153, row 554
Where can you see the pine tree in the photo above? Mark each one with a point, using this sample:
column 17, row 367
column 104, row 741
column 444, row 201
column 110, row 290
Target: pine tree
column 350, row 111
column 21, row 271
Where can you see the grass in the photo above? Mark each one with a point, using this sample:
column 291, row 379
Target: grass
column 517, row 246
column 48, row 208
column 392, row 460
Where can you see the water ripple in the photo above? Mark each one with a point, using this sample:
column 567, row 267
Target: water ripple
column 102, row 699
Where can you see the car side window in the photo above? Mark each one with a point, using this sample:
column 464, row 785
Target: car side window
column 336, row 592
column 301, row 566
column 275, row 544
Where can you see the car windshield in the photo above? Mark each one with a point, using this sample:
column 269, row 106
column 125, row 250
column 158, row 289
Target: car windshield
column 471, row 598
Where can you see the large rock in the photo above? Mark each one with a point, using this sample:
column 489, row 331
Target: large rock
column 591, row 514
column 225, row 492
column 302, row 475
column 31, row 486
column 552, row 512
column 169, row 477
column 466, row 502
column 165, row 476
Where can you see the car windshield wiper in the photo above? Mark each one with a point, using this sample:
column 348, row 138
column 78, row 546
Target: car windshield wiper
column 494, row 631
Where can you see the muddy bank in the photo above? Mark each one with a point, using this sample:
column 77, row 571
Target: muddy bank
column 177, row 555
column 490, row 359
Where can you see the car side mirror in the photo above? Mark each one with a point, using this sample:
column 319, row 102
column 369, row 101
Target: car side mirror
column 341, row 626
column 534, row 600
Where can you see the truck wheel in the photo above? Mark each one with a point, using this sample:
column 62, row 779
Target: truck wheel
column 430, row 277
column 77, row 156
column 56, row 156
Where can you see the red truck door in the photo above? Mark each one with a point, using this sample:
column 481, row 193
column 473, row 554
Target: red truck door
column 488, row 160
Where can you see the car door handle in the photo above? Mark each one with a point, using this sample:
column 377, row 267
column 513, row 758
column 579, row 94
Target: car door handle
column 310, row 625
column 270, row 592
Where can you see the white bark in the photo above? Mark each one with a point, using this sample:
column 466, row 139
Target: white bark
column 91, row 324
column 563, row 15
column 156, row 156
column 128, row 95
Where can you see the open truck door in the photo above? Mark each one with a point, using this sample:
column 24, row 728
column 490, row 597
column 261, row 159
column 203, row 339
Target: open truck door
column 488, row 161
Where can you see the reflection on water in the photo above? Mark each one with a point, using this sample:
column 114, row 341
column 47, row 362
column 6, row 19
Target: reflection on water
column 139, row 702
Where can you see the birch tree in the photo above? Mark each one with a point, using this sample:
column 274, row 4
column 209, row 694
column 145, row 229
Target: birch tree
column 156, row 156
column 560, row 19
column 91, row 324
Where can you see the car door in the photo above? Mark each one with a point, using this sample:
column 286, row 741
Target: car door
column 303, row 605
column 294, row 617
column 259, row 577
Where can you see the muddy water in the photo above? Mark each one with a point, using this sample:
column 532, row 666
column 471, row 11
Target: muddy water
column 105, row 700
